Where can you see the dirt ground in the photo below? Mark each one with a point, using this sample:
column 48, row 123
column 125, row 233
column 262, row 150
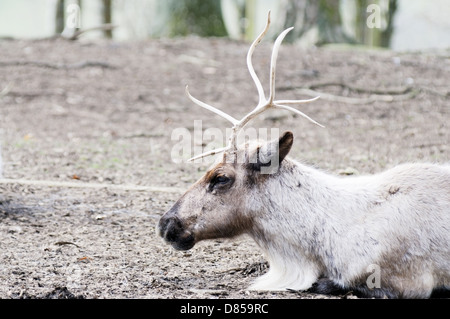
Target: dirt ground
column 87, row 123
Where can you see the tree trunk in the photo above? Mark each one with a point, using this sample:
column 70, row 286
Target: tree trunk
column 386, row 35
column 107, row 17
column 59, row 18
column 200, row 17
column 374, row 36
column 322, row 15
column 330, row 23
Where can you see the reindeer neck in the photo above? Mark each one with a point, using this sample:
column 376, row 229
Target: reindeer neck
column 307, row 191
column 303, row 210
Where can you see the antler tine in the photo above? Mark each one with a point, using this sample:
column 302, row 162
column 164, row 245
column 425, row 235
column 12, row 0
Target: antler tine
column 212, row 152
column 285, row 107
column 273, row 63
column 281, row 104
column 255, row 78
column 211, row 108
column 295, row 101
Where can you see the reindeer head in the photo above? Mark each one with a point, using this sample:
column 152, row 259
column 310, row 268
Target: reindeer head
column 216, row 206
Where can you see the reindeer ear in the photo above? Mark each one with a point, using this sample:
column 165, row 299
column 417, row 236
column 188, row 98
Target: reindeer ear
column 270, row 155
column 284, row 144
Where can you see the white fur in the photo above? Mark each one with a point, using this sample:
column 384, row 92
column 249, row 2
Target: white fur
column 297, row 274
column 337, row 227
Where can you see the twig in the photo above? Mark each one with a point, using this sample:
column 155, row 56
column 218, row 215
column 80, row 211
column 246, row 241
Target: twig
column 143, row 135
column 58, row 66
column 361, row 89
column 73, row 34
column 102, row 27
column 386, row 95
column 93, row 186
column 6, row 90
column 60, row 243
column 353, row 100
column 434, row 91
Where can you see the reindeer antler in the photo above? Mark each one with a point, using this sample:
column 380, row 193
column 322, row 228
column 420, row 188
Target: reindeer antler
column 263, row 103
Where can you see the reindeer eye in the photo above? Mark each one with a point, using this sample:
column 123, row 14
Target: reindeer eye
column 221, row 179
column 220, row 182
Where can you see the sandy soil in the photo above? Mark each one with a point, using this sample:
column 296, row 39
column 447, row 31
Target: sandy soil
column 94, row 114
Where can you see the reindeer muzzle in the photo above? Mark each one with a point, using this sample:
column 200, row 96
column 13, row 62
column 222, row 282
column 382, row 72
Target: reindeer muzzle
column 173, row 231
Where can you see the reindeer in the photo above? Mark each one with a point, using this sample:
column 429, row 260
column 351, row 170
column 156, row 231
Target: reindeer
column 320, row 233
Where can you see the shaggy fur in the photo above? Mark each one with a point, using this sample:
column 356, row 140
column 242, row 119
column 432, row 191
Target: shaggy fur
column 322, row 232
column 337, row 227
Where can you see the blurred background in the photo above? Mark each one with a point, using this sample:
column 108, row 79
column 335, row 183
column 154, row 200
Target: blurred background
column 401, row 24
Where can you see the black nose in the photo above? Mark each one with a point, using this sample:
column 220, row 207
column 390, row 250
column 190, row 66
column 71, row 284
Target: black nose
column 168, row 219
column 171, row 228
